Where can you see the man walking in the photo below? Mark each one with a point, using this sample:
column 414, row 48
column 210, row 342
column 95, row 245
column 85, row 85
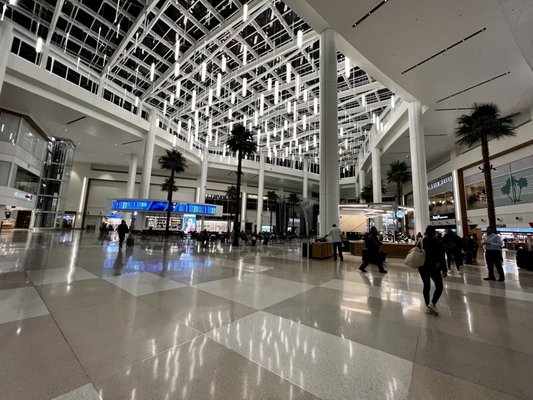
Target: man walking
column 373, row 251
column 493, row 254
column 122, row 229
column 336, row 238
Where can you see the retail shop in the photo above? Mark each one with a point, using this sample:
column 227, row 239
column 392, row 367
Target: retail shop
column 187, row 217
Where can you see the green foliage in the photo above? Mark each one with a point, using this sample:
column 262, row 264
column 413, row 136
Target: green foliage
column 173, row 160
column 484, row 123
column 241, row 141
column 398, row 172
column 367, row 192
column 169, row 185
column 231, row 193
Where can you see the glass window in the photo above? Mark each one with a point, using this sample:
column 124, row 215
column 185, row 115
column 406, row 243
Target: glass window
column 9, row 126
column 26, row 181
column 4, row 172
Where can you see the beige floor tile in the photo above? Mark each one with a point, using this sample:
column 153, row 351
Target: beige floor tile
column 428, row 384
column 36, row 361
column 108, row 337
column 200, row 310
column 199, row 370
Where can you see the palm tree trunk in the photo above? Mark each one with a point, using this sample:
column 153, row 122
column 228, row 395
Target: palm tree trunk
column 236, row 225
column 487, row 174
column 169, row 205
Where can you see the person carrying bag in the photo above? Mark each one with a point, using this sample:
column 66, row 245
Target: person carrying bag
column 416, row 256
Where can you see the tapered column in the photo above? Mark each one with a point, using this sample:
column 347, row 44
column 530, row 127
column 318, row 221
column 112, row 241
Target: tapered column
column 376, row 175
column 418, row 166
column 260, row 193
column 243, row 210
column 6, row 40
column 149, row 144
column 305, row 189
column 132, row 174
column 362, row 183
column 203, row 177
column 329, row 146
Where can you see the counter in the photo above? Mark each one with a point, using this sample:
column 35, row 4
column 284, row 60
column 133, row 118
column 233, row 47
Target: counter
column 396, row 250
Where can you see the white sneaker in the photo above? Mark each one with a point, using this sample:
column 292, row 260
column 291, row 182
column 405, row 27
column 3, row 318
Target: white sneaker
column 433, row 308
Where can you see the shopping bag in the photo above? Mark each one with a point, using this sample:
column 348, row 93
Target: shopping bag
column 416, row 256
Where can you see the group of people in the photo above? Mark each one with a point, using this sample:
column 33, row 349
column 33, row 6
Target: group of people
column 440, row 252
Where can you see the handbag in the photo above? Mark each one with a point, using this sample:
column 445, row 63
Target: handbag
column 416, row 256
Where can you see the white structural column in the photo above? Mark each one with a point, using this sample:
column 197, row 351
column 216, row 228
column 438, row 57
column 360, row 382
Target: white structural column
column 148, row 156
column 457, row 199
column 132, row 174
column 243, row 209
column 362, row 182
column 202, row 187
column 418, row 166
column 305, row 189
column 329, row 146
column 6, row 40
column 376, row 174
column 260, row 193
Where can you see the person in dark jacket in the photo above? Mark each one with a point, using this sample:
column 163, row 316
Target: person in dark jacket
column 373, row 251
column 431, row 270
column 453, row 246
column 122, row 229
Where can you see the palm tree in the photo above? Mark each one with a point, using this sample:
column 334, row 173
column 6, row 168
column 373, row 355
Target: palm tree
column 398, row 173
column 231, row 195
column 367, row 193
column 272, row 199
column 293, row 200
column 240, row 142
column 175, row 162
column 485, row 123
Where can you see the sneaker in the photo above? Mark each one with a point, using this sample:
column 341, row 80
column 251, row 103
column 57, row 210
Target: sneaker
column 490, row 278
column 383, row 271
column 433, row 308
column 362, row 269
column 430, row 311
column 501, row 279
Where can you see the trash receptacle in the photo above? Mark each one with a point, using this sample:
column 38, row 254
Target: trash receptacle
column 306, row 250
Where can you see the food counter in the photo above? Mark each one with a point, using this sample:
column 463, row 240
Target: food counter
column 396, row 250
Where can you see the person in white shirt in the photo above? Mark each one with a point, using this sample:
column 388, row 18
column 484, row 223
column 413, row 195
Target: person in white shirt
column 493, row 254
column 336, row 238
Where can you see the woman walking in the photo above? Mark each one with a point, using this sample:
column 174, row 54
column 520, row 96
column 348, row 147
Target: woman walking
column 431, row 270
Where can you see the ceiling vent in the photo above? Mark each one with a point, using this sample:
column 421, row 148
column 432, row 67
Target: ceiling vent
column 368, row 14
column 445, row 50
column 474, row 86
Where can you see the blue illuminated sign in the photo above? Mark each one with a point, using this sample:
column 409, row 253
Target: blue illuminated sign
column 151, row 205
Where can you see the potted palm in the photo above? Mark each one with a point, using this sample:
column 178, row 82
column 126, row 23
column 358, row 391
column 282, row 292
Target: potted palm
column 240, row 142
column 482, row 125
column 174, row 161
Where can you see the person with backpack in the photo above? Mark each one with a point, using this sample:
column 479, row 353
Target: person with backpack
column 122, row 229
column 372, row 254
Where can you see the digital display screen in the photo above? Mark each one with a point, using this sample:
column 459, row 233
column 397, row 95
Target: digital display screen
column 149, row 205
column 189, row 223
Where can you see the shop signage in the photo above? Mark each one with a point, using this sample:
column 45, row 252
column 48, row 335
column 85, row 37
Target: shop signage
column 440, row 217
column 440, row 182
column 152, row 205
column 25, row 196
column 400, row 214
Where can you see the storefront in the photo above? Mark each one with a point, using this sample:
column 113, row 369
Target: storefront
column 187, row 217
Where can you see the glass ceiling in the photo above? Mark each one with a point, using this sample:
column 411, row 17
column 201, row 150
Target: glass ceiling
column 207, row 64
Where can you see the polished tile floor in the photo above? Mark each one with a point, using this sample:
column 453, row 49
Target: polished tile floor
column 82, row 319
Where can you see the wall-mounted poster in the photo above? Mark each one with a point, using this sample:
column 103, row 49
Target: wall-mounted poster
column 189, row 223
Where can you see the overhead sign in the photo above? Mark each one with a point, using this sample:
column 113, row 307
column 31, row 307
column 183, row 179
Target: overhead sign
column 440, row 182
column 156, row 205
column 440, row 217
